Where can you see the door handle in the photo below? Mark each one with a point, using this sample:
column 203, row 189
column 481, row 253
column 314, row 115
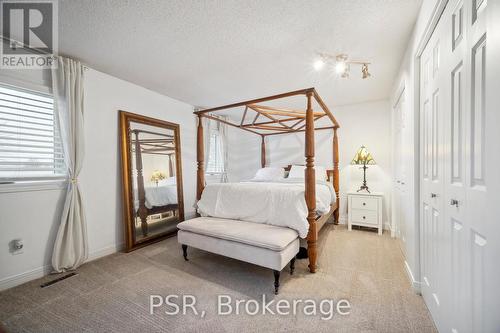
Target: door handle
column 433, row 195
column 454, row 202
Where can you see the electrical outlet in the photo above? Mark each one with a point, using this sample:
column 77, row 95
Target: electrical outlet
column 16, row 246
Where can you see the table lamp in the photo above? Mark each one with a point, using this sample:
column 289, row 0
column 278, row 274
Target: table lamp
column 156, row 176
column 364, row 158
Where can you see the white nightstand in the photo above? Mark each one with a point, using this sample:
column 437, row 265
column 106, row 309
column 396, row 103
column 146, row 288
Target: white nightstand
column 365, row 209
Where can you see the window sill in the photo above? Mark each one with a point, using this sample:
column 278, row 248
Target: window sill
column 33, row 185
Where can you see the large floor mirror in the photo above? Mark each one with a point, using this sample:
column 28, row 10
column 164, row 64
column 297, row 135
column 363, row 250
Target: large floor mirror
column 152, row 178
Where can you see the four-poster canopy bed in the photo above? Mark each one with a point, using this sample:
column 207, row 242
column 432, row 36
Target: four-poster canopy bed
column 279, row 121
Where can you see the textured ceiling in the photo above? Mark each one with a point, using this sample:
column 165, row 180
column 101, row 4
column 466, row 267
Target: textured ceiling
column 208, row 53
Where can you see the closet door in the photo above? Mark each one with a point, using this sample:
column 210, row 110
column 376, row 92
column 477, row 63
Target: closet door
column 466, row 184
column 460, row 232
column 400, row 167
column 432, row 177
column 456, row 157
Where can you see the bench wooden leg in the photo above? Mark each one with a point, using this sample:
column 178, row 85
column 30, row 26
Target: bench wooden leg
column 292, row 265
column 276, row 281
column 184, row 252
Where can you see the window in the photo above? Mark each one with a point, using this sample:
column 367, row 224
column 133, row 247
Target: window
column 30, row 143
column 215, row 163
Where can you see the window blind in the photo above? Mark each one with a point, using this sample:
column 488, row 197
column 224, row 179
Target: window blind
column 30, row 142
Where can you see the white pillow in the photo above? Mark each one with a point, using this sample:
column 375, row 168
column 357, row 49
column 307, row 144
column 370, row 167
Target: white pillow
column 320, row 172
column 167, row 181
column 297, row 172
column 269, row 174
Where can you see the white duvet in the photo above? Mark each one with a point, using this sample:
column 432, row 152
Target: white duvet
column 157, row 196
column 279, row 203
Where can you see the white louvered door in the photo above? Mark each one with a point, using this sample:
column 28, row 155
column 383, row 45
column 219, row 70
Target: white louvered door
column 400, row 169
column 457, row 143
column 432, row 171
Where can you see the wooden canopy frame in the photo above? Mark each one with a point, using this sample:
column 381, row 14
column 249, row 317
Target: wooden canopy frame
column 291, row 121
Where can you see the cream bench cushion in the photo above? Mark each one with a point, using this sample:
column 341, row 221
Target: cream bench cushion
column 257, row 234
column 260, row 244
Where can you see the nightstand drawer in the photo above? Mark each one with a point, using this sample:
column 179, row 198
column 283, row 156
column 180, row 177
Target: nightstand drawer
column 364, row 216
column 362, row 202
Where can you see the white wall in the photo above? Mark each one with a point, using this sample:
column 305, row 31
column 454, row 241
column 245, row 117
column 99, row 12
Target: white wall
column 406, row 79
column 34, row 216
column 100, row 178
column 244, row 154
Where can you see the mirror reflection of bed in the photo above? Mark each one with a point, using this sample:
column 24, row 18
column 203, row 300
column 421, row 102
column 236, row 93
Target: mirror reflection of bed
column 156, row 209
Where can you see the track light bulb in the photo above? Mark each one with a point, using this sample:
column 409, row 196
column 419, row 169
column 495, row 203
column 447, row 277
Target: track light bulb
column 345, row 73
column 340, row 67
column 319, row 64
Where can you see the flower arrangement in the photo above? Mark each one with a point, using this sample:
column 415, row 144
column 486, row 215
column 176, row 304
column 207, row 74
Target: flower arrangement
column 156, row 176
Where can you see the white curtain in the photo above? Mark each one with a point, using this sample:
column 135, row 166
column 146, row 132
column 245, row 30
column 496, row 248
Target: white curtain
column 223, row 140
column 71, row 247
column 206, row 123
column 221, row 129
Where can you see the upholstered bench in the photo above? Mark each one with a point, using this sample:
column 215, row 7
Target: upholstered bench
column 257, row 243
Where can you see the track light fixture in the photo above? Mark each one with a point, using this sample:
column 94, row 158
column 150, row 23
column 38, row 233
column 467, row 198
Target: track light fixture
column 341, row 64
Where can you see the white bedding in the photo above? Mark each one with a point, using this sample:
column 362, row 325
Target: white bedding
column 280, row 203
column 161, row 195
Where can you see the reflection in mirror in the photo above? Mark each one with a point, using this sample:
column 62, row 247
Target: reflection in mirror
column 154, row 209
column 153, row 179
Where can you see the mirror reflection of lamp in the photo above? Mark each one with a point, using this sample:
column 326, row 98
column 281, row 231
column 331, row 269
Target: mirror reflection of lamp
column 364, row 158
column 156, row 176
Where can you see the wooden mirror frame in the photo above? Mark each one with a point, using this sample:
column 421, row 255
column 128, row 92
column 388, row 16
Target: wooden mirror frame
column 125, row 119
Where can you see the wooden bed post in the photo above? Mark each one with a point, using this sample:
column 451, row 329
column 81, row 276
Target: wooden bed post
column 336, row 174
column 142, row 211
column 310, row 185
column 200, row 152
column 170, row 167
column 263, row 152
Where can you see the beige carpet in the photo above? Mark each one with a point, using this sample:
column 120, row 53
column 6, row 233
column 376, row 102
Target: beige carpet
column 112, row 294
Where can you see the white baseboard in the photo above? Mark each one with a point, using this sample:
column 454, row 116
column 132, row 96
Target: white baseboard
column 105, row 251
column 414, row 283
column 18, row 279
column 15, row 280
column 387, row 226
